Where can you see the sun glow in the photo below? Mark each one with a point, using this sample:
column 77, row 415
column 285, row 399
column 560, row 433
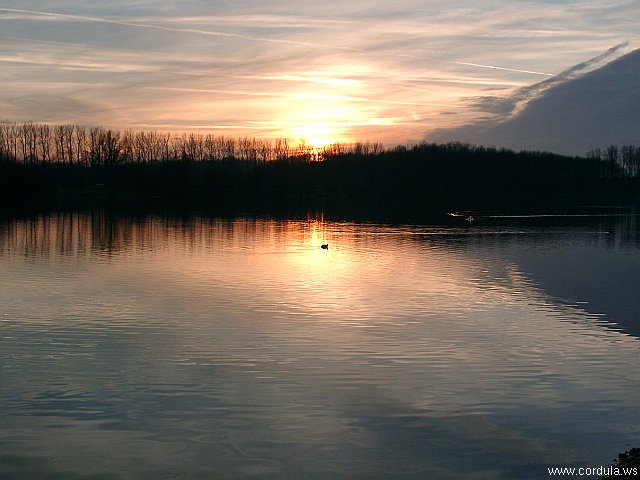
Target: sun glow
column 318, row 135
column 319, row 120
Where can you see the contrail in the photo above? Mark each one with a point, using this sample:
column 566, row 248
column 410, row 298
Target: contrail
column 212, row 33
column 531, row 91
column 493, row 67
column 306, row 96
column 521, row 97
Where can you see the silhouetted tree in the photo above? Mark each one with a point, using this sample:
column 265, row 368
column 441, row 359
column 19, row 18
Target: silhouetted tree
column 44, row 140
column 188, row 165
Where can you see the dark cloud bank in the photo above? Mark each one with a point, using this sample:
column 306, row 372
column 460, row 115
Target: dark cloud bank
column 569, row 113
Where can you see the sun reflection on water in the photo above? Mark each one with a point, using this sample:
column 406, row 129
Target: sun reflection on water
column 120, row 330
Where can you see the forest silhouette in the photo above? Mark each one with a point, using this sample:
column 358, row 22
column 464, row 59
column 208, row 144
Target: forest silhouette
column 43, row 163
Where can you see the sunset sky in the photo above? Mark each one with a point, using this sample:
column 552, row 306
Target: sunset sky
column 324, row 71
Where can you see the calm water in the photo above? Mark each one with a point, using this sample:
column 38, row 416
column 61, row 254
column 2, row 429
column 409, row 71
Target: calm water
column 155, row 348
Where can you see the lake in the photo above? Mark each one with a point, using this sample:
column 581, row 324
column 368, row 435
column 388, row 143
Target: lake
column 194, row 347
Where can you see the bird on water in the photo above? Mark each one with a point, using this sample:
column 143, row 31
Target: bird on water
column 325, row 246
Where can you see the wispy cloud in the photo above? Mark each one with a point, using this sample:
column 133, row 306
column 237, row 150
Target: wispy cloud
column 163, row 28
column 592, row 104
column 385, row 71
column 513, row 104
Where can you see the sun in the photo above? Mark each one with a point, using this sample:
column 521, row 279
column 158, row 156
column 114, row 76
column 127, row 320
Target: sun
column 317, row 135
column 318, row 121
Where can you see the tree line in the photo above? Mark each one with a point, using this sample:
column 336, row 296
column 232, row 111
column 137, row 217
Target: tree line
column 625, row 159
column 31, row 143
column 46, row 162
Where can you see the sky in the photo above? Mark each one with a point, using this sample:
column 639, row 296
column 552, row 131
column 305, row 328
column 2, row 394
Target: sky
column 380, row 71
column 572, row 113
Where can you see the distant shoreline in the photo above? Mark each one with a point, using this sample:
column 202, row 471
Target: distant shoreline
column 424, row 177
